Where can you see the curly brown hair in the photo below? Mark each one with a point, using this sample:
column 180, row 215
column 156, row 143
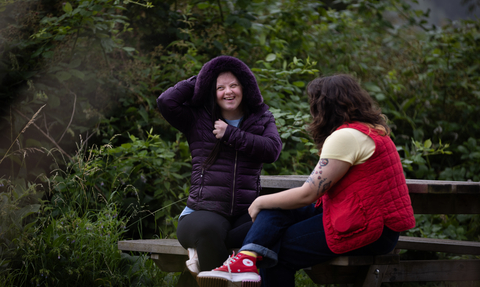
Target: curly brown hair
column 337, row 100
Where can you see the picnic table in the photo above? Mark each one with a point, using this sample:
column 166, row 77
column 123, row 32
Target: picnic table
column 428, row 197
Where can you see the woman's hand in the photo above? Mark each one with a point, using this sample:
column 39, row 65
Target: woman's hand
column 220, row 127
column 255, row 208
column 323, row 177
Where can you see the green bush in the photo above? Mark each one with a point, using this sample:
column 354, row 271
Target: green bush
column 146, row 178
column 80, row 250
column 20, row 203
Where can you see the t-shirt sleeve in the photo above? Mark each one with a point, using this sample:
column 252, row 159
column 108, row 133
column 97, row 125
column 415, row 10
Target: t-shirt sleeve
column 349, row 145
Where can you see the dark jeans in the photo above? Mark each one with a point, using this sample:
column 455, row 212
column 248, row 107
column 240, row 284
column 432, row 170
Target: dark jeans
column 290, row 240
column 212, row 235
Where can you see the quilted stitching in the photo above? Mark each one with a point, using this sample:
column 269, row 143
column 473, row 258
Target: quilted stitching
column 380, row 183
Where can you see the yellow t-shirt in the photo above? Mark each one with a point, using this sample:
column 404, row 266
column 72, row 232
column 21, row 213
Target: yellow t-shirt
column 348, row 145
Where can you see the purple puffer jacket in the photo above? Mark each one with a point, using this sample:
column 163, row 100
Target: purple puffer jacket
column 231, row 184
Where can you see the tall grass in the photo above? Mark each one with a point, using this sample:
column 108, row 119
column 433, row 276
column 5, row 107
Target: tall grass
column 64, row 230
column 72, row 250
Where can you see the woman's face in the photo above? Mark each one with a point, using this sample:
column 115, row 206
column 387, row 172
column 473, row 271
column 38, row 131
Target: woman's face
column 229, row 96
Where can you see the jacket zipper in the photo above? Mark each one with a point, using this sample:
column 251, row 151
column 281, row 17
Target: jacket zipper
column 201, row 186
column 234, row 180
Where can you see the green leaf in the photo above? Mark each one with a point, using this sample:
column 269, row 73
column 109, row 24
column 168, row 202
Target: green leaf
column 371, row 87
column 380, row 97
column 299, row 84
column 203, row 5
column 285, row 135
column 427, row 143
column 67, row 7
column 63, row 76
column 144, row 114
column 53, row 101
column 270, row 57
column 48, row 54
column 75, row 63
column 131, row 110
column 462, row 149
column 126, row 146
column 128, row 49
column 77, row 73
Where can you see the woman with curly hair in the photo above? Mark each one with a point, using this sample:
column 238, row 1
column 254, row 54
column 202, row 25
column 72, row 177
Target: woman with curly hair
column 355, row 201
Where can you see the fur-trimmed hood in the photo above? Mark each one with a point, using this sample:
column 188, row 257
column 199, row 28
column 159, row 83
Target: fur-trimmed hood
column 210, row 71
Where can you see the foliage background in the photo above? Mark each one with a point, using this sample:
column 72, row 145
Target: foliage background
column 85, row 156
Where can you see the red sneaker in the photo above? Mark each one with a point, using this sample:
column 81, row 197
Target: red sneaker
column 240, row 269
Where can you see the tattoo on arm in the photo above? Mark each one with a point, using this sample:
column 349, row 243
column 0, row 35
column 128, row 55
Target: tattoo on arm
column 326, row 186
column 310, row 178
column 320, row 185
column 317, row 172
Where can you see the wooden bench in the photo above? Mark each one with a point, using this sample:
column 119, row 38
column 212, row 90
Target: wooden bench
column 428, row 197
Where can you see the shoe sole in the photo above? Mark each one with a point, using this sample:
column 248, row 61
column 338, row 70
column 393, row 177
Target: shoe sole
column 221, row 282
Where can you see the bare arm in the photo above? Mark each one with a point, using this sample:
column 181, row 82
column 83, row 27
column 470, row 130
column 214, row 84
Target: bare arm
column 326, row 173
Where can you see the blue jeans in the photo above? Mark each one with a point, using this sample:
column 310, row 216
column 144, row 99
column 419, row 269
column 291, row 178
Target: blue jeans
column 289, row 240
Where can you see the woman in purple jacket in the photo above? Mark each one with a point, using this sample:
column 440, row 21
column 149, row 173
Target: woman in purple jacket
column 231, row 134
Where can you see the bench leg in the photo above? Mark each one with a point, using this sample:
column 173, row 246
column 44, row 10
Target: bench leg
column 374, row 276
column 186, row 280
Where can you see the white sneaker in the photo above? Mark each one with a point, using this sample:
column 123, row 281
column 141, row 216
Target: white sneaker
column 192, row 263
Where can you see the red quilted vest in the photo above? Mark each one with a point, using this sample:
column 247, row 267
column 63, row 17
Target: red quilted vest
column 370, row 196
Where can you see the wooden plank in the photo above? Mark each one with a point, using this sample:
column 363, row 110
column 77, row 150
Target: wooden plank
column 439, row 245
column 159, row 246
column 433, row 271
column 404, row 271
column 386, row 259
column 460, row 203
column 414, row 185
column 365, row 260
column 352, row 260
column 442, row 186
column 428, row 196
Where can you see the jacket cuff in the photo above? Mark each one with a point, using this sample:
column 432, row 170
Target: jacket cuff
column 226, row 136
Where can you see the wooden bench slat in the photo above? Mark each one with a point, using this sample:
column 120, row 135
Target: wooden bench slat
column 414, row 185
column 433, row 270
column 365, row 260
column 428, row 196
column 351, row 261
column 404, row 271
column 439, row 245
column 160, row 246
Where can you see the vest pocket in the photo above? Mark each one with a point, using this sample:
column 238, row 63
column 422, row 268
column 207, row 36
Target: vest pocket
column 348, row 217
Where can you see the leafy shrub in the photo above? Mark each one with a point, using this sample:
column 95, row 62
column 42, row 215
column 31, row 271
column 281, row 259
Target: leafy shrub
column 281, row 85
column 80, row 250
column 19, row 204
column 143, row 177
